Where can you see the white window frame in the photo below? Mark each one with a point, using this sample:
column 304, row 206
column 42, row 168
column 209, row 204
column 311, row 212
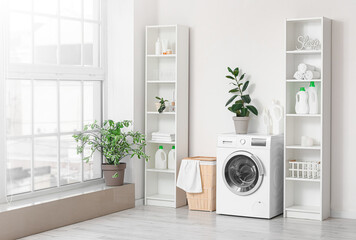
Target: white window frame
column 54, row 73
column 2, row 104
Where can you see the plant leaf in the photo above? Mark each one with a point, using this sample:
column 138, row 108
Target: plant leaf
column 242, row 76
column 229, row 69
column 246, row 98
column 244, row 112
column 230, row 100
column 252, row 109
column 237, row 106
column 230, row 77
column 236, row 72
column 230, row 109
column 116, row 175
column 234, row 90
column 245, row 85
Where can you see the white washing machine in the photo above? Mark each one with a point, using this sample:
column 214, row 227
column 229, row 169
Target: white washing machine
column 249, row 175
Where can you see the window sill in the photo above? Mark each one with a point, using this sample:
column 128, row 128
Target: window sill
column 27, row 217
column 16, row 204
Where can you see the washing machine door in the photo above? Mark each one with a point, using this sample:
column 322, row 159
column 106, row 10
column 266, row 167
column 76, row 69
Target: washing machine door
column 243, row 173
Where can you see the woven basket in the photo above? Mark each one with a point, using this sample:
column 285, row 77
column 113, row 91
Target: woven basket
column 205, row 201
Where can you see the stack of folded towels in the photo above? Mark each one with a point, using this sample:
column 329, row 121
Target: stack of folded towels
column 163, row 137
column 306, row 72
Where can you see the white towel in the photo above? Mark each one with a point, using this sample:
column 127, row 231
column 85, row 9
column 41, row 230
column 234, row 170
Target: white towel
column 305, row 67
column 309, row 75
column 189, row 178
column 298, row 75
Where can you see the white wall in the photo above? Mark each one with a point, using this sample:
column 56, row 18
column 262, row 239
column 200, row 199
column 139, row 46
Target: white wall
column 250, row 34
column 125, row 94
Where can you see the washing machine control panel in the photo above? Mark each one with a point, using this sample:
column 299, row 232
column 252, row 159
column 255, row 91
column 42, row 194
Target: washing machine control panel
column 246, row 141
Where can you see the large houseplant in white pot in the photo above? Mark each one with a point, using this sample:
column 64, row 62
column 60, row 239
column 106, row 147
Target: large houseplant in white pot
column 240, row 101
column 115, row 143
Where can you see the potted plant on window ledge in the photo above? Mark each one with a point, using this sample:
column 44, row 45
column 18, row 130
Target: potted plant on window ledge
column 241, row 106
column 115, row 144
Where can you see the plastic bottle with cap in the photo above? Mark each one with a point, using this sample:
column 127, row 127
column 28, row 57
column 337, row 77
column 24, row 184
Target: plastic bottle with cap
column 160, row 158
column 313, row 99
column 301, row 102
column 172, row 158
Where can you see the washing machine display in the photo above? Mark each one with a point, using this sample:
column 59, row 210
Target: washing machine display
column 243, row 173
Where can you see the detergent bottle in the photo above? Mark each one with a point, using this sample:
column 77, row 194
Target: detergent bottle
column 301, row 102
column 313, row 99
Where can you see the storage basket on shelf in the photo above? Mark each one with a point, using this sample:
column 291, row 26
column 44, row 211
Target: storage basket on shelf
column 304, row 169
column 206, row 200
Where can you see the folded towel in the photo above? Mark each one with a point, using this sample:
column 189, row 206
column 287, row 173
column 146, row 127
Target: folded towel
column 162, row 134
column 305, row 67
column 298, row 75
column 309, row 75
column 189, row 178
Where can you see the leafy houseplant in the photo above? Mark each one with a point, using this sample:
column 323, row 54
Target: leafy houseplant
column 114, row 143
column 161, row 105
column 240, row 101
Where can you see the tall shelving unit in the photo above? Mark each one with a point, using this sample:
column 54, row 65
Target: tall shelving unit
column 166, row 76
column 308, row 198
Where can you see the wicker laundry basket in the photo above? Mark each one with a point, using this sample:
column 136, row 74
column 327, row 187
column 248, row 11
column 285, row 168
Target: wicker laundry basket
column 205, row 201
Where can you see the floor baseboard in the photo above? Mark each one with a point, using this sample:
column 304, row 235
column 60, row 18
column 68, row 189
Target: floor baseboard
column 343, row 214
column 139, row 202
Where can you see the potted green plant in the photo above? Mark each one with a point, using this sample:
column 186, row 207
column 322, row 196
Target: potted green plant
column 240, row 101
column 115, row 142
column 161, row 105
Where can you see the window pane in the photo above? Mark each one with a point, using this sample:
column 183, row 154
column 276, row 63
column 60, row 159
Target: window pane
column 45, row 162
column 46, row 40
column 91, row 44
column 20, row 38
column 71, row 41
column 19, row 155
column 45, row 107
column 91, row 9
column 71, row 8
column 70, row 106
column 18, row 107
column 92, row 169
column 46, row 6
column 70, row 161
column 92, row 102
column 22, row 5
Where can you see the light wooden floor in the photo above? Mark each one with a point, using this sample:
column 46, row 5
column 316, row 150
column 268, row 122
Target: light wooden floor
column 166, row 223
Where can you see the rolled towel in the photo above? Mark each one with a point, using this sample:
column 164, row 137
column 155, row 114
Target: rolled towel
column 309, row 75
column 298, row 75
column 303, row 67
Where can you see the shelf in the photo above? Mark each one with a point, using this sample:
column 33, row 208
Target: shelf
column 162, row 197
column 304, row 52
column 302, row 115
column 303, row 81
column 161, row 56
column 301, row 147
column 158, row 81
column 160, row 142
column 307, row 209
column 302, row 179
column 160, row 170
column 164, row 113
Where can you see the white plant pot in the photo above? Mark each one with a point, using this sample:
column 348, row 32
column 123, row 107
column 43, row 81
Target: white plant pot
column 241, row 124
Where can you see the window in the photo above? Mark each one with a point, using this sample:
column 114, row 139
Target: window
column 53, row 87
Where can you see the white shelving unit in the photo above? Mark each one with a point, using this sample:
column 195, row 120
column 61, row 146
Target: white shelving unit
column 165, row 75
column 308, row 198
